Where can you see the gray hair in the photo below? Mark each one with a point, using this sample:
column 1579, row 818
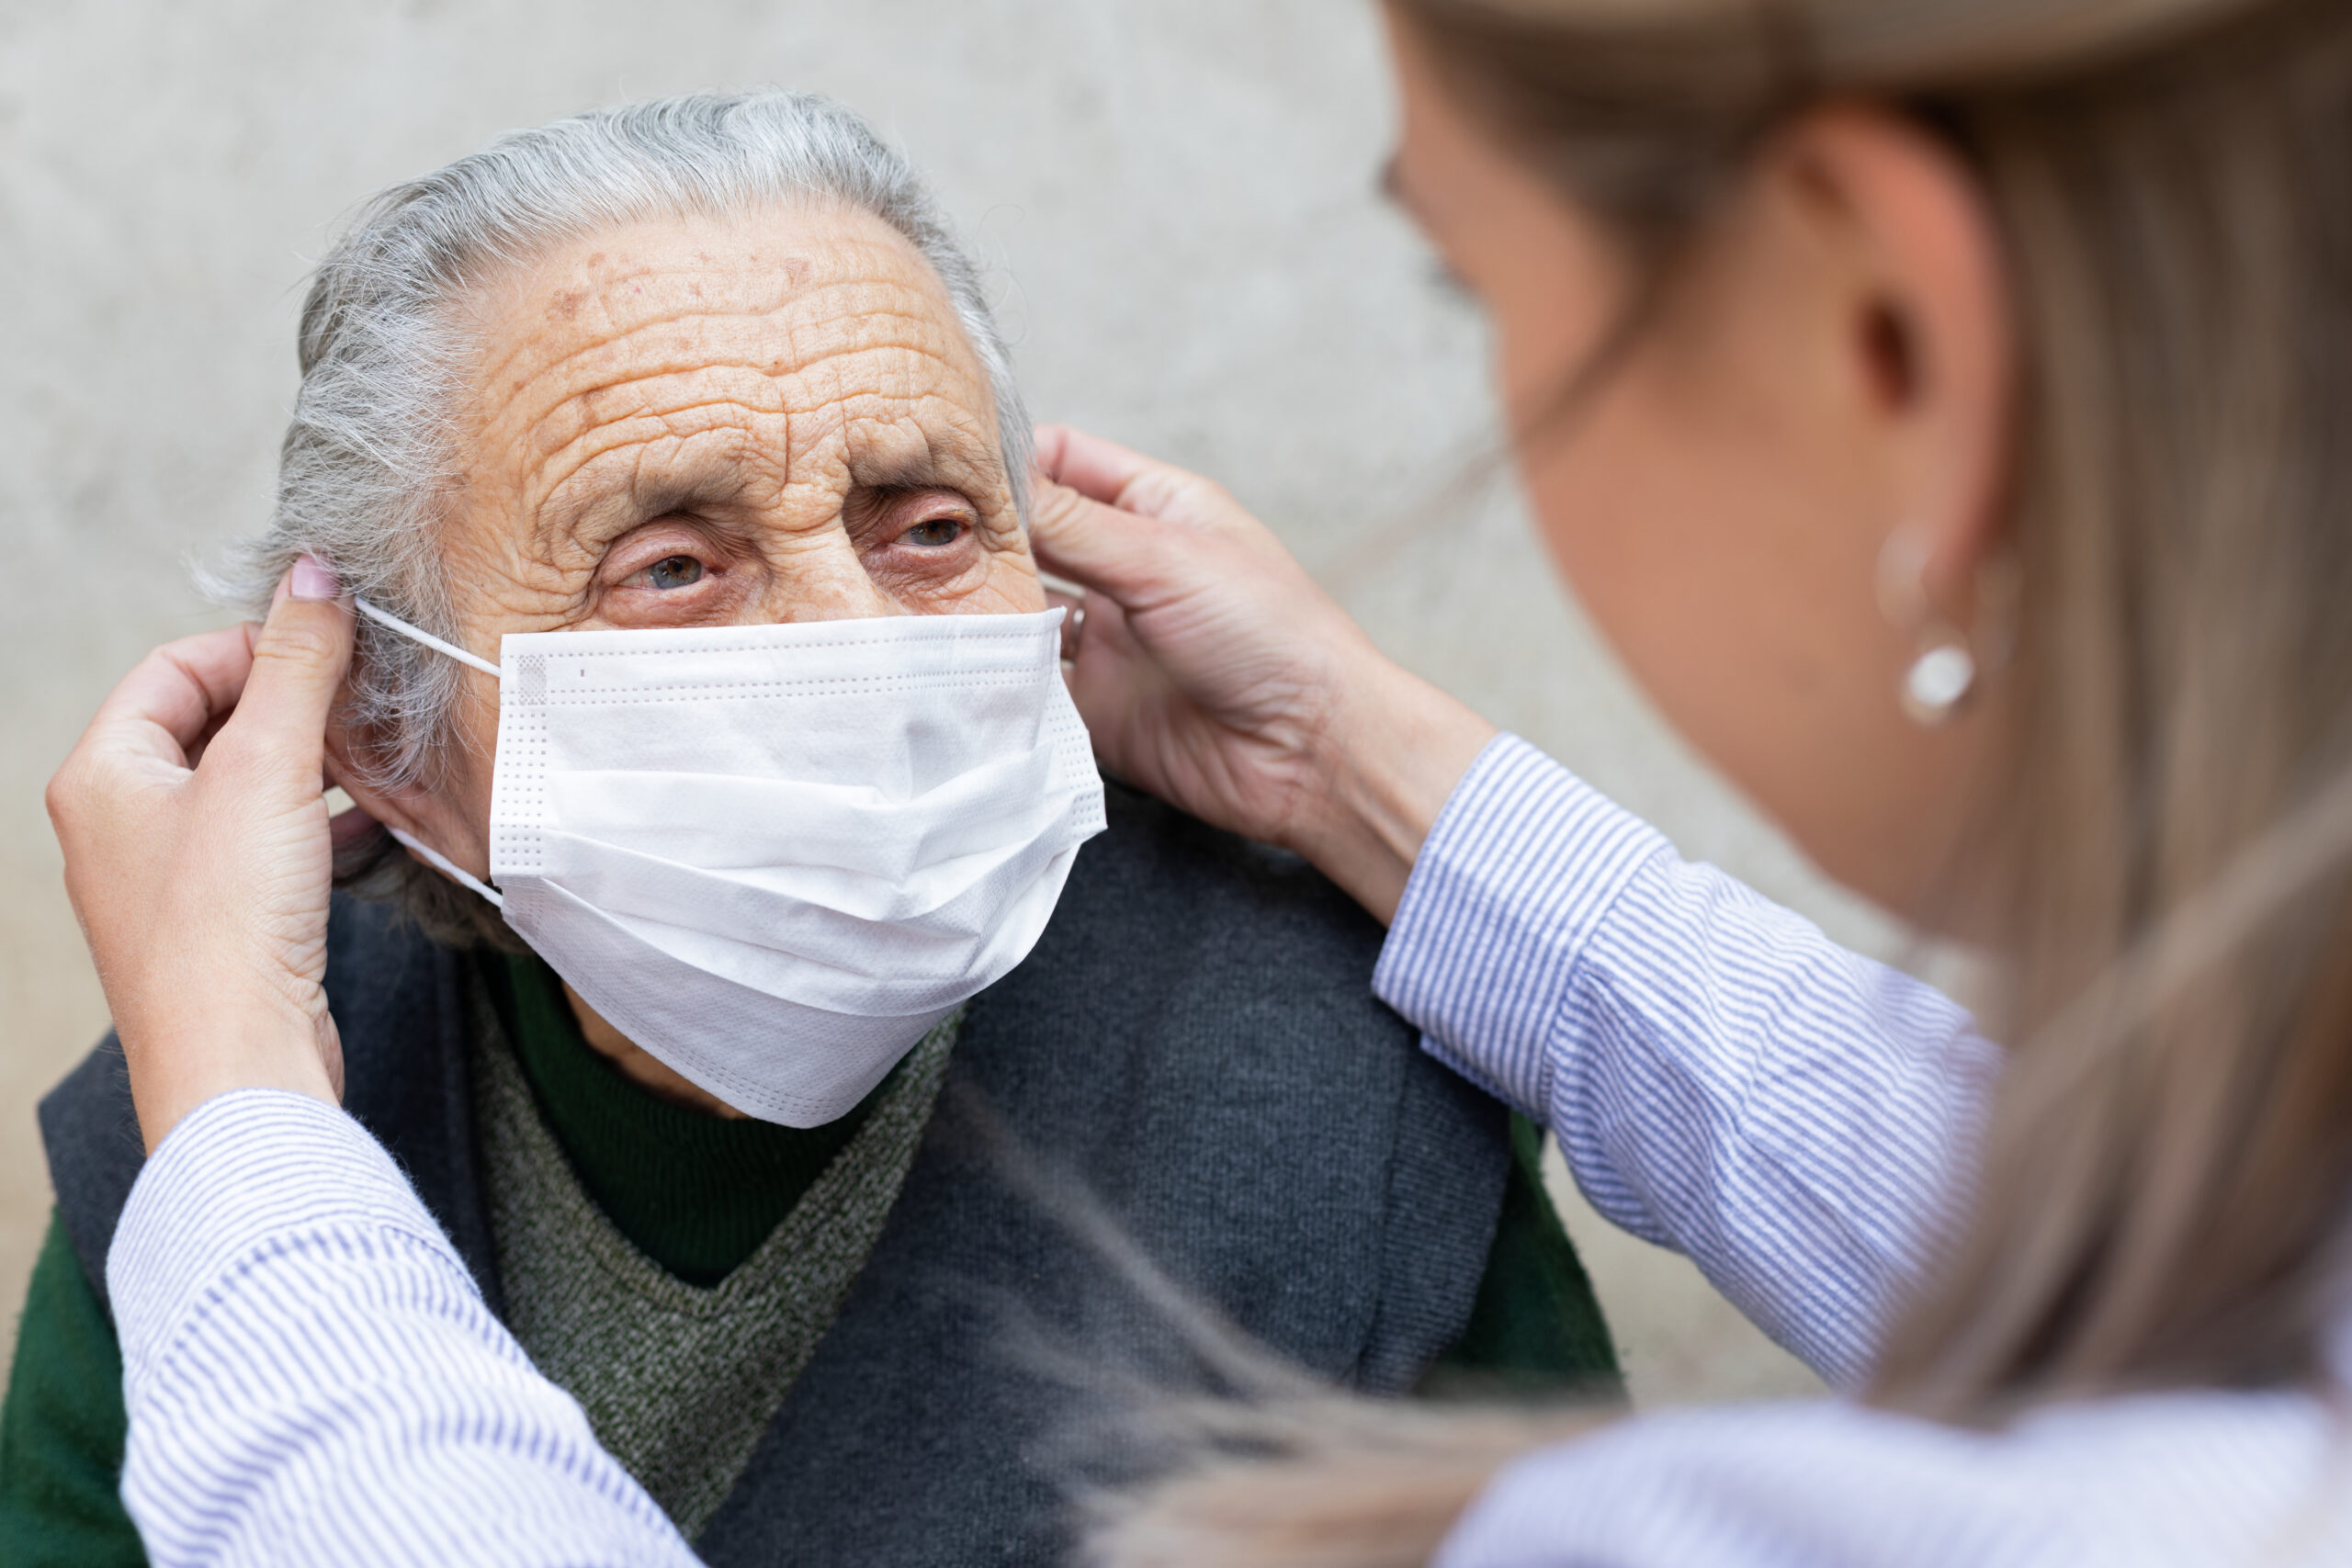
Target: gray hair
column 365, row 472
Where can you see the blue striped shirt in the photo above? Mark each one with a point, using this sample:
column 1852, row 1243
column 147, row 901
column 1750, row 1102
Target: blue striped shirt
column 1723, row 1080
column 311, row 1376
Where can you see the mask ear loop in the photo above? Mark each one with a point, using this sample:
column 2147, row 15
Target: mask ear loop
column 430, row 855
column 418, row 634
column 442, row 863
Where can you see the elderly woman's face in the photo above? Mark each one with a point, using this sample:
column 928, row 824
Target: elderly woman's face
column 721, row 423
column 710, row 422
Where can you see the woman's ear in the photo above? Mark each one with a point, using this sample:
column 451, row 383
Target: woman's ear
column 1924, row 328
column 426, row 815
column 345, row 771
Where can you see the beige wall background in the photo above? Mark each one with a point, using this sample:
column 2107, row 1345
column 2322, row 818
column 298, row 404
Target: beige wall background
column 1176, row 198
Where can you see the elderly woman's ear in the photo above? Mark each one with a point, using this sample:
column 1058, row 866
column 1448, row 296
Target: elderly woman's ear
column 434, row 810
column 352, row 832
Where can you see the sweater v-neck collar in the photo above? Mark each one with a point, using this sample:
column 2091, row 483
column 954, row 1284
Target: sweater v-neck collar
column 695, row 1193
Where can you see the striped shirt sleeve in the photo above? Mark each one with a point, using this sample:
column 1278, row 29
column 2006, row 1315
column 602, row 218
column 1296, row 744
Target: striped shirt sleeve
column 1724, row 1078
column 2186, row 1479
column 311, row 1376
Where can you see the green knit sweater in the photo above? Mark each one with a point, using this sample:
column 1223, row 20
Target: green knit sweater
column 679, row 1380
column 698, row 1195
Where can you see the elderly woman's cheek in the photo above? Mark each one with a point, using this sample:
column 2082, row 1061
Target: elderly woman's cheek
column 1013, row 580
column 967, row 578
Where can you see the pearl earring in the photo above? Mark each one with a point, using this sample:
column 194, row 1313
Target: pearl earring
column 1937, row 683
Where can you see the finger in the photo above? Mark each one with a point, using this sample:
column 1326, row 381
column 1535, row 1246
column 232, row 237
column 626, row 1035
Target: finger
column 1098, row 547
column 1113, row 475
column 1099, row 470
column 300, row 657
column 1106, row 627
column 1073, row 618
column 167, row 705
column 1115, row 675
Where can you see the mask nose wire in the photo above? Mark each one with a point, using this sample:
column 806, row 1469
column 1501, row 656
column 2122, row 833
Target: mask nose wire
column 432, row 856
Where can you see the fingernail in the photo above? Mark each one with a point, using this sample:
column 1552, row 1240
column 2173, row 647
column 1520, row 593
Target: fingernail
column 311, row 580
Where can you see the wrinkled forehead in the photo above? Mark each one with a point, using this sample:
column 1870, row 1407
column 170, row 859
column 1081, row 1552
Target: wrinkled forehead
column 776, row 360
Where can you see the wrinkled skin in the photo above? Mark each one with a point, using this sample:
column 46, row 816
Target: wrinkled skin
column 1836, row 368
column 712, row 423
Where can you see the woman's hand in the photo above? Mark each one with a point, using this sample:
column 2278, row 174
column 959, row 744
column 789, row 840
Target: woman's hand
column 1216, row 674
column 193, row 820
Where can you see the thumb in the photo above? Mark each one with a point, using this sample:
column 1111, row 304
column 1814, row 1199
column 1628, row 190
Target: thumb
column 1099, row 470
column 1098, row 547
column 299, row 655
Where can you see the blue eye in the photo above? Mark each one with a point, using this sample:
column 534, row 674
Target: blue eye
column 674, row 572
column 936, row 533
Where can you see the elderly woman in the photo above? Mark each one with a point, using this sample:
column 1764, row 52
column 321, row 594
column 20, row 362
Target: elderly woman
column 711, row 687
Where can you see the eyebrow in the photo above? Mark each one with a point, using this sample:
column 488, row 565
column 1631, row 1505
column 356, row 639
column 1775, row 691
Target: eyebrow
column 946, row 460
column 633, row 495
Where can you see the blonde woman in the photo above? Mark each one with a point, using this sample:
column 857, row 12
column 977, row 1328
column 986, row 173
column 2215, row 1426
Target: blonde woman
column 1940, row 405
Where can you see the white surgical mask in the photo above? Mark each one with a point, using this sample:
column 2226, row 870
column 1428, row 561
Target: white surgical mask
column 774, row 856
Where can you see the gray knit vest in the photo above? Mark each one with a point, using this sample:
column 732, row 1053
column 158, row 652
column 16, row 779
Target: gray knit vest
column 677, row 1380
column 1194, row 1045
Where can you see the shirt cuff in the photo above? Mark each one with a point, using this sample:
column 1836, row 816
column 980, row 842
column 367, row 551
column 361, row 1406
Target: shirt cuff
column 245, row 1176
column 1519, row 872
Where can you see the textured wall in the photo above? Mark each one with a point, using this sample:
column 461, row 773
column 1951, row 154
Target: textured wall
column 1177, row 197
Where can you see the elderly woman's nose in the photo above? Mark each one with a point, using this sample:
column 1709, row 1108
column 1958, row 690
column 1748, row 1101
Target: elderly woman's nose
column 825, row 578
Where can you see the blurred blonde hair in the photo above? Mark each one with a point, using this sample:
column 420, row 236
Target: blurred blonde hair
column 2169, row 1172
